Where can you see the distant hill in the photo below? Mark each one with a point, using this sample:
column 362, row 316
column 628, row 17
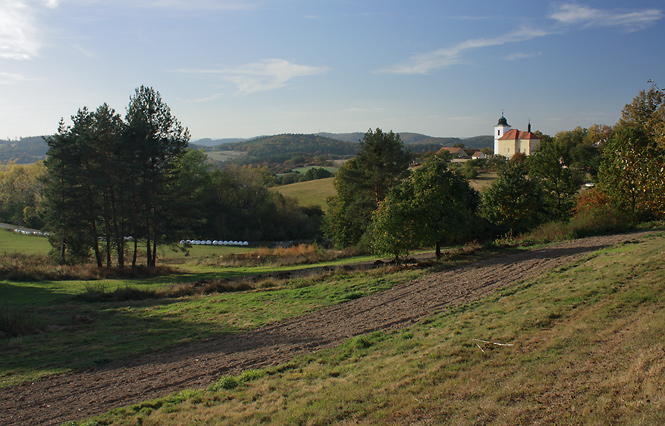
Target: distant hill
column 24, row 150
column 215, row 142
column 280, row 148
column 423, row 141
column 263, row 149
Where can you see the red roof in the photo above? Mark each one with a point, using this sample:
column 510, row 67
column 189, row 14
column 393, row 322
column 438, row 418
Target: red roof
column 515, row 134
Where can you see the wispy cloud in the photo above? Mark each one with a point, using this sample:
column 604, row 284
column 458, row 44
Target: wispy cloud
column 18, row 32
column 567, row 14
column 575, row 14
column 522, row 55
column 10, row 78
column 268, row 74
column 441, row 58
column 197, row 5
column 210, row 98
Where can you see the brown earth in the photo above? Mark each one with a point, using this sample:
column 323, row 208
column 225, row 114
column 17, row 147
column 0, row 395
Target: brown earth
column 57, row 399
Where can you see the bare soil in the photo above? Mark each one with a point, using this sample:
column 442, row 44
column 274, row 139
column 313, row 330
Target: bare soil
column 57, row 399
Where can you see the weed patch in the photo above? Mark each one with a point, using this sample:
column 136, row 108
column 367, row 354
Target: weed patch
column 34, row 267
column 15, row 323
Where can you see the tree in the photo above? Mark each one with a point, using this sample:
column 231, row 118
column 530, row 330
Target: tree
column 154, row 140
column 362, row 183
column 21, row 194
column 632, row 173
column 513, row 202
column 432, row 207
column 550, row 166
column 107, row 179
column 647, row 112
column 68, row 215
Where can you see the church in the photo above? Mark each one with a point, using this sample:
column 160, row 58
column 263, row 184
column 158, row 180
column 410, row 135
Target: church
column 508, row 141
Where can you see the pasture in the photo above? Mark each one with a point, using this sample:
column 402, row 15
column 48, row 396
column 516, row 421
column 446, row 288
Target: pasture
column 223, row 156
column 310, row 193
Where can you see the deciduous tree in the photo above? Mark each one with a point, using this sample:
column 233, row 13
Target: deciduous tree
column 513, row 202
column 432, row 207
column 363, row 182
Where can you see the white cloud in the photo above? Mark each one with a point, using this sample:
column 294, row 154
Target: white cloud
column 197, row 5
column 574, row 14
column 18, row 32
column 10, row 78
column 268, row 74
column 210, row 98
column 441, row 58
column 521, row 55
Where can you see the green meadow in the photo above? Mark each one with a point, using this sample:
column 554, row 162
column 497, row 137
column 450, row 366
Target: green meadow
column 310, row 193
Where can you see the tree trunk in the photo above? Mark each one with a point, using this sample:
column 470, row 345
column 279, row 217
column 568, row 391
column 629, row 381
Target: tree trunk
column 438, row 250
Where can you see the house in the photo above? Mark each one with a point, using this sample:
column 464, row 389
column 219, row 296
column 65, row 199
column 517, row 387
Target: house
column 509, row 141
column 455, row 152
column 478, row 155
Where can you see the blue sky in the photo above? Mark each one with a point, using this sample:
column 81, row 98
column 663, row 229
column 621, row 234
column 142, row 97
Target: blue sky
column 232, row 68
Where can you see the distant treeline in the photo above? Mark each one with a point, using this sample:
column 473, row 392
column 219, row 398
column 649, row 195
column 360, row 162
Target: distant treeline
column 24, row 150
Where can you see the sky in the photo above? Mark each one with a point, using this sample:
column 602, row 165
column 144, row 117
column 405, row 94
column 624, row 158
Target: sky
column 244, row 68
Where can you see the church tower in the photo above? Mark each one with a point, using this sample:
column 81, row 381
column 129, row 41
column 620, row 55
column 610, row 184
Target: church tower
column 501, row 128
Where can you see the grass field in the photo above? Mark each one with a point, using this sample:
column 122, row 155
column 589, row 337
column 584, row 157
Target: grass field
column 222, row 156
column 12, row 242
column 310, row 193
column 303, row 170
column 581, row 345
column 483, row 181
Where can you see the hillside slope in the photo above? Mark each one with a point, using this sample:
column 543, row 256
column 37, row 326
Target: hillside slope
column 581, row 331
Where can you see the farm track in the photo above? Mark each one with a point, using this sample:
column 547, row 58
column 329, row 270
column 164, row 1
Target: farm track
column 57, row 399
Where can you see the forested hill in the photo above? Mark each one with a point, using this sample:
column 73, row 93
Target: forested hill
column 421, row 140
column 24, row 150
column 279, row 148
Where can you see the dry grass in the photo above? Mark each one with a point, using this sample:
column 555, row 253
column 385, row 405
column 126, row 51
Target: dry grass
column 34, row 267
column 282, row 256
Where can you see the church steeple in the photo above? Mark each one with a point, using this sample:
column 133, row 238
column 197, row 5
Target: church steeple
column 529, row 128
column 501, row 128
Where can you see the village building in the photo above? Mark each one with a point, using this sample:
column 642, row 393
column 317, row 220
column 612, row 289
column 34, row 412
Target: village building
column 456, row 153
column 509, row 141
column 479, row 155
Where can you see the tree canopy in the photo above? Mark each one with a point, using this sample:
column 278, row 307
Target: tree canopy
column 363, row 182
column 108, row 179
column 432, row 207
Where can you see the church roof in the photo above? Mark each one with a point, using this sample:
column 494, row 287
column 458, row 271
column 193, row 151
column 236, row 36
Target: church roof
column 502, row 121
column 515, row 134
